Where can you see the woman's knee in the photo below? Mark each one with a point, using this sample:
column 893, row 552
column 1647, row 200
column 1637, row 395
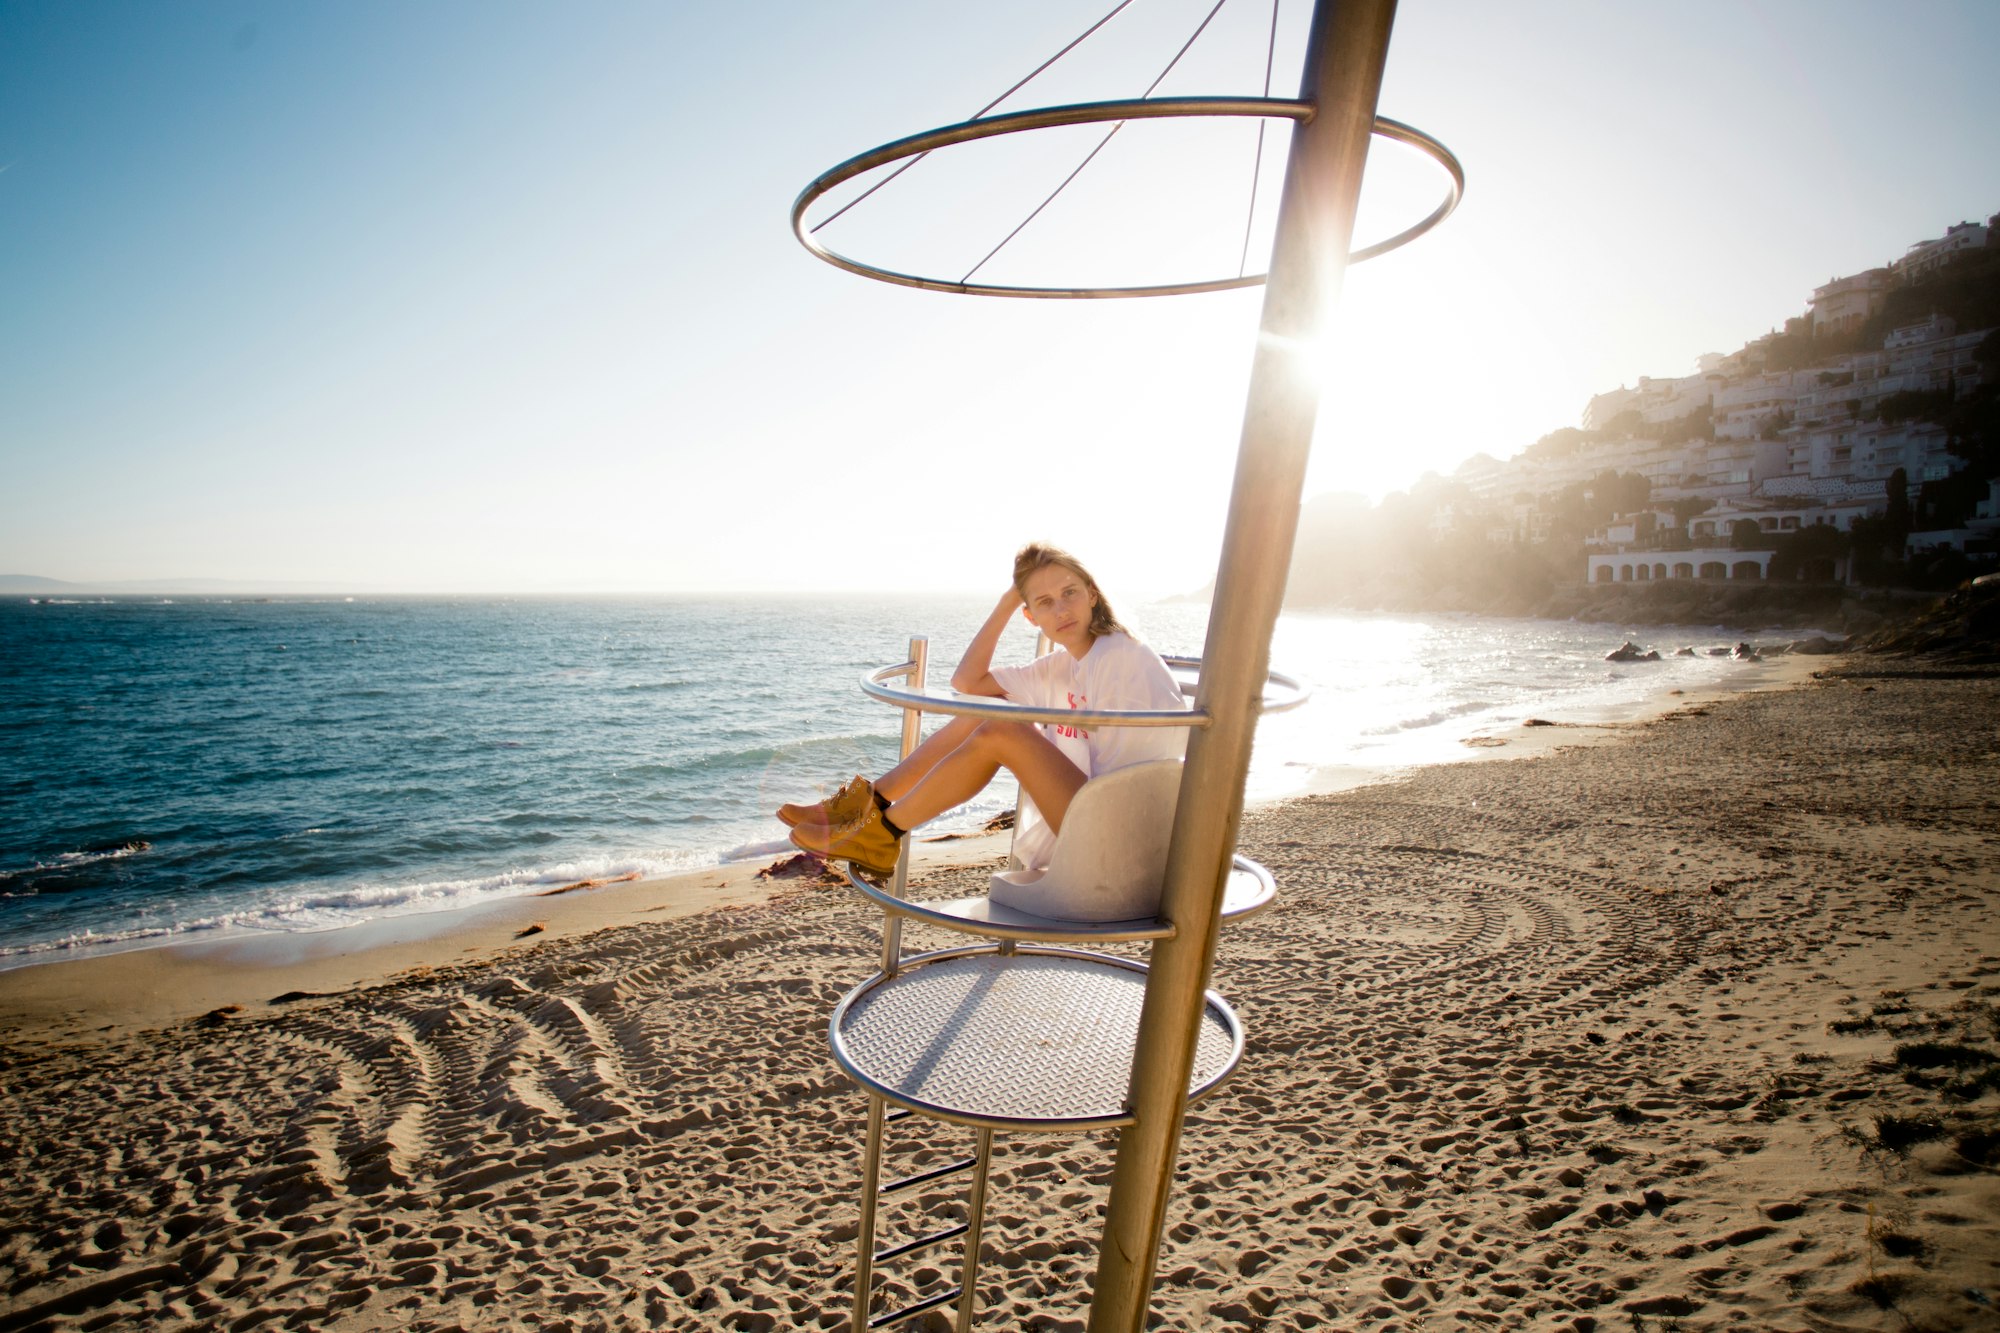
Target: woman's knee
column 997, row 737
column 958, row 728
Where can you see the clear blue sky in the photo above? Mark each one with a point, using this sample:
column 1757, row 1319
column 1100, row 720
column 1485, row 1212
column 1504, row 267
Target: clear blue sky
column 502, row 295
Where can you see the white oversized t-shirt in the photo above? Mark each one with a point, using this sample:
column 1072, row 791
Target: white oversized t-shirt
column 1117, row 672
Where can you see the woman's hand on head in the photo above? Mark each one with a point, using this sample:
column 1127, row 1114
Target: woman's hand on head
column 974, row 674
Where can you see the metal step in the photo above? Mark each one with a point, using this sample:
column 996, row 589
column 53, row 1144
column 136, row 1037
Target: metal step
column 912, row 1246
column 935, row 1173
column 908, row 1311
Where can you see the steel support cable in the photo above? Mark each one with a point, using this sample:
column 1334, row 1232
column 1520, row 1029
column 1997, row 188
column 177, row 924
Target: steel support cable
column 1117, row 9
column 1257, row 164
column 1185, row 48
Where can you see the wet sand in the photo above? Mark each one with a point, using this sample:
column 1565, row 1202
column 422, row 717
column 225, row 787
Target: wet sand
column 1693, row 1029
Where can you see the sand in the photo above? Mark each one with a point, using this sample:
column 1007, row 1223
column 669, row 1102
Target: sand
column 1694, row 1029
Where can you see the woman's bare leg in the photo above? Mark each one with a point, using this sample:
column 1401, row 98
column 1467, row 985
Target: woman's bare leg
column 983, row 749
column 898, row 781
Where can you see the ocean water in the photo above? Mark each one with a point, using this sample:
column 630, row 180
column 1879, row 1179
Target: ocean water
column 179, row 768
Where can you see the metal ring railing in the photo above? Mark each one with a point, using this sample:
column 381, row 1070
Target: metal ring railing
column 1086, row 113
column 1259, row 892
column 1282, row 694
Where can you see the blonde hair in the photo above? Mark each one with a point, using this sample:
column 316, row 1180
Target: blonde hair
column 1036, row 556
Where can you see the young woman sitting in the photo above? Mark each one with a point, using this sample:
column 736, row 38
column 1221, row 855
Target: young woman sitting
column 1096, row 664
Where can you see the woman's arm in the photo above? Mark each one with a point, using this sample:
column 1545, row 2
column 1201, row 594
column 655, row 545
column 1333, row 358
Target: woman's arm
column 974, row 674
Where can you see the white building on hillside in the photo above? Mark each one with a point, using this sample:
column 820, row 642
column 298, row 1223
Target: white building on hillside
column 1927, row 256
column 1600, row 411
column 1774, row 516
column 1828, row 392
column 1869, row 452
column 1847, row 302
column 1659, row 401
column 1917, row 447
column 1918, row 358
column 1496, row 481
column 1826, row 491
column 1662, row 401
column 1706, row 562
column 1755, row 406
column 1934, row 329
column 1715, row 468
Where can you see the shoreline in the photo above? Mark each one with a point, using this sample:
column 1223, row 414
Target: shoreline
column 159, row 984
column 155, row 986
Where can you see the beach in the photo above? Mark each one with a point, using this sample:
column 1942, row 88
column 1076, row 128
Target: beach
column 1692, row 1026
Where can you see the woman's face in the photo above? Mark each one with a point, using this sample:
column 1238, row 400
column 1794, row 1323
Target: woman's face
column 1059, row 603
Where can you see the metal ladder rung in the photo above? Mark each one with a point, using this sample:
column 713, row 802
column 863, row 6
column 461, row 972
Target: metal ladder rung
column 928, row 1303
column 895, row 1113
column 911, row 1246
column 873, row 1197
column 911, row 1182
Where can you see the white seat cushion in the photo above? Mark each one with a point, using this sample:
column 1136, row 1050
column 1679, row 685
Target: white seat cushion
column 1110, row 859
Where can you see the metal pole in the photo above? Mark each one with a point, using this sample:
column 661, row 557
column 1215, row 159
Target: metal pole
column 892, row 961
column 1345, row 53
column 871, row 1193
column 975, row 1218
column 913, row 735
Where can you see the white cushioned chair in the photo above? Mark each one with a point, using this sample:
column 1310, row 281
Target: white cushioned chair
column 1110, row 858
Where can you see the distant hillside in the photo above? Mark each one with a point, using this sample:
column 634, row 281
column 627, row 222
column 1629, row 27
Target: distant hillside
column 1515, row 537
